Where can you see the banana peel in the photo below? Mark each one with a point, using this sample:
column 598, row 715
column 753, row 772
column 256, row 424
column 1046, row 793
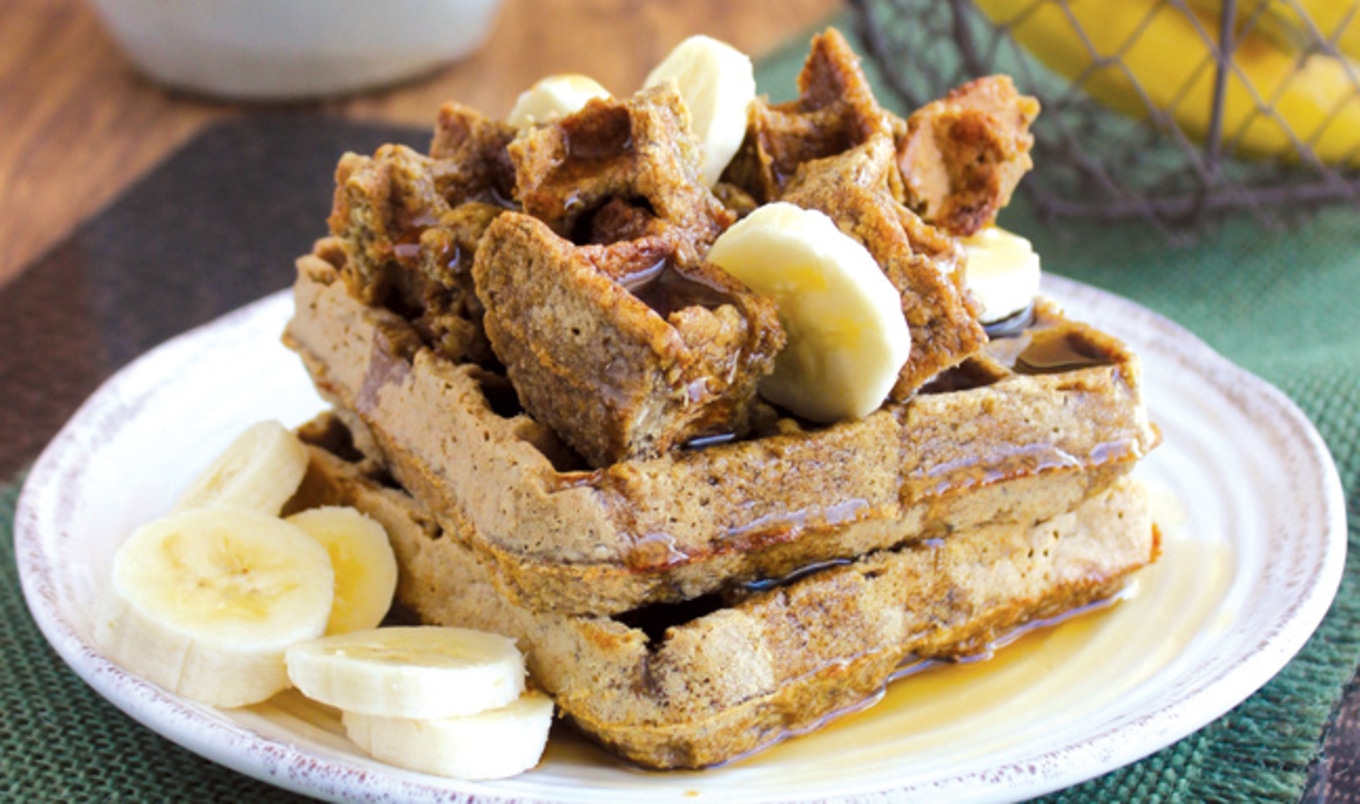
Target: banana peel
column 1146, row 55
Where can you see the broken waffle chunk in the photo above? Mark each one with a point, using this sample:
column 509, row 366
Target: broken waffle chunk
column 962, row 155
column 638, row 150
column 835, row 111
column 476, row 145
column 407, row 249
column 626, row 350
column 382, row 204
column 925, row 266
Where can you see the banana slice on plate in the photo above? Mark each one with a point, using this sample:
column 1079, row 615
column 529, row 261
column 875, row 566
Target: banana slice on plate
column 261, row 469
column 365, row 566
column 718, row 84
column 488, row 745
column 847, row 337
column 1002, row 272
column 411, row 672
column 554, row 97
column 205, row 602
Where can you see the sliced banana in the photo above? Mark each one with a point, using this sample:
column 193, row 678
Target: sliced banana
column 261, row 469
column 489, row 745
column 1002, row 272
column 718, row 84
column 205, row 602
column 847, row 336
column 417, row 671
column 553, row 97
column 365, row 566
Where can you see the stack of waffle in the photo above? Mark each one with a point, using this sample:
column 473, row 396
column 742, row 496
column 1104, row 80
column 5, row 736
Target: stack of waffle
column 550, row 400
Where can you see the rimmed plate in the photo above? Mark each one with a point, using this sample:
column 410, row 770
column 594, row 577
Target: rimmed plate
column 1245, row 490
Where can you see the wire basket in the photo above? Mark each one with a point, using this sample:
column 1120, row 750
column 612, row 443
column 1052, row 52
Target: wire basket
column 1138, row 123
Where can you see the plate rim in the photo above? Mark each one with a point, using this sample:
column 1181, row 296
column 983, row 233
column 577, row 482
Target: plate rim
column 197, row 728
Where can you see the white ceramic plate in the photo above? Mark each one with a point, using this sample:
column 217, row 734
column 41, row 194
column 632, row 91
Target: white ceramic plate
column 1246, row 493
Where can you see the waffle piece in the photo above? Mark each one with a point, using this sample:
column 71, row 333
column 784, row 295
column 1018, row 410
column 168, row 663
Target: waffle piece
column 624, row 350
column 926, row 267
column 720, row 677
column 959, row 157
column 477, row 146
column 629, row 345
column 962, row 155
column 409, row 226
column 833, row 150
column 637, row 150
column 986, row 443
column 835, row 111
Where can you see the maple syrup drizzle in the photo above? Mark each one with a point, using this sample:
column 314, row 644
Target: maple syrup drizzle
column 765, row 584
column 664, row 289
column 599, row 136
column 1057, row 352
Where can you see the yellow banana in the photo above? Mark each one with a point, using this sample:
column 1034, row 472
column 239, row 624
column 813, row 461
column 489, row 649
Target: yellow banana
column 1338, row 22
column 1271, row 93
column 1299, row 24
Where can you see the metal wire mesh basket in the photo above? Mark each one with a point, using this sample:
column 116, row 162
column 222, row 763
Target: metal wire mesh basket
column 1145, row 114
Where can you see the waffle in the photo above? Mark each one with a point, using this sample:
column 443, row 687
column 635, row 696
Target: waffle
column 550, row 399
column 985, row 443
column 570, row 321
column 692, row 685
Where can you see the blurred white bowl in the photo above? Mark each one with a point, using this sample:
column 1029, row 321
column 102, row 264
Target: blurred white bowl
column 291, row 49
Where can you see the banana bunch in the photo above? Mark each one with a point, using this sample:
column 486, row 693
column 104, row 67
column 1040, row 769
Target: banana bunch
column 225, row 603
column 1301, row 24
column 1290, row 94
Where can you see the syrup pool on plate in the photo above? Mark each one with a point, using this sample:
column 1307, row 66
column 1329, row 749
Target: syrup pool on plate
column 1088, row 661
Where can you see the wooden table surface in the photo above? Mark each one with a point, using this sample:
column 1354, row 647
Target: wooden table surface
column 78, row 124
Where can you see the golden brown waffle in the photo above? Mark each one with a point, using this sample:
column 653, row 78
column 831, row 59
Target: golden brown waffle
column 637, row 151
column 836, row 110
column 627, row 350
column 720, row 676
column 1011, row 438
column 962, row 155
column 853, row 189
column 549, row 398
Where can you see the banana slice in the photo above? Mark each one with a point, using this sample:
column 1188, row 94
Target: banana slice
column 365, row 566
column 205, row 602
column 847, row 337
column 261, row 469
column 412, row 672
column 553, row 97
column 718, row 84
column 1002, row 272
column 489, row 745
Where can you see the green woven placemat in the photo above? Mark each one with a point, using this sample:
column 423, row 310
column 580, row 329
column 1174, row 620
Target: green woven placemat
column 1284, row 306
column 1281, row 306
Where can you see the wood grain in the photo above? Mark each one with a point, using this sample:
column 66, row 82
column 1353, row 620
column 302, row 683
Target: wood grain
column 78, row 124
